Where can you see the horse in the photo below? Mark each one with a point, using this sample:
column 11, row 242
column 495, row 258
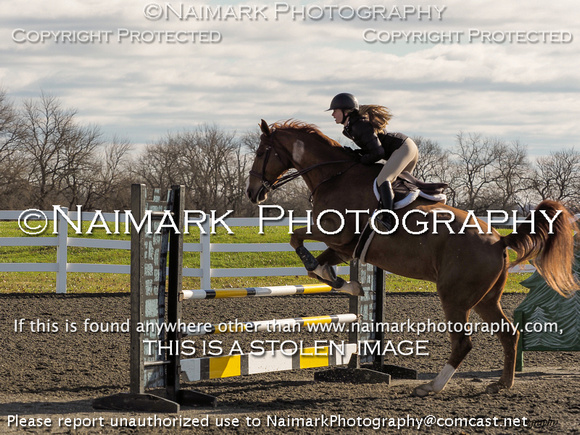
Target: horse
column 468, row 266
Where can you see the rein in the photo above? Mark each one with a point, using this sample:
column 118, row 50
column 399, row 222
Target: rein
column 338, row 174
column 280, row 181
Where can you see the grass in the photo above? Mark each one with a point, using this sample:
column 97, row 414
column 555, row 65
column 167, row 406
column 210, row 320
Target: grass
column 41, row 282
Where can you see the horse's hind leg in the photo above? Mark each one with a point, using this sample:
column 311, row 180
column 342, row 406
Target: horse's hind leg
column 460, row 347
column 490, row 311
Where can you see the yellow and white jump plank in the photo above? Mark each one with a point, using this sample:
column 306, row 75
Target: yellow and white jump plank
column 198, row 369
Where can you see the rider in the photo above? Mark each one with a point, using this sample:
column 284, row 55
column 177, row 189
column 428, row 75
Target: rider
column 365, row 125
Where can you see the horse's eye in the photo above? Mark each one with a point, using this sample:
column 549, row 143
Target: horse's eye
column 260, row 153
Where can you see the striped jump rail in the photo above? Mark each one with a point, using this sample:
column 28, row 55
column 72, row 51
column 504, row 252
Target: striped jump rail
column 268, row 325
column 282, row 290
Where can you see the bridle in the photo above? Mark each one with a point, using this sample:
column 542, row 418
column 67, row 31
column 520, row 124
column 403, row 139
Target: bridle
column 280, row 181
column 262, row 176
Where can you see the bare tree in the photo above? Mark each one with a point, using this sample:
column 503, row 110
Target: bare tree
column 510, row 176
column 433, row 163
column 9, row 128
column 557, row 177
column 159, row 164
column 109, row 188
column 473, row 171
column 13, row 186
column 15, row 191
column 58, row 150
column 250, row 141
column 80, row 164
column 212, row 163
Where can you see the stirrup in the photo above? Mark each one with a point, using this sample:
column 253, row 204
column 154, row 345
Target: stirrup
column 385, row 223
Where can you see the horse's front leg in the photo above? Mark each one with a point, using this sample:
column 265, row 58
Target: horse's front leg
column 323, row 270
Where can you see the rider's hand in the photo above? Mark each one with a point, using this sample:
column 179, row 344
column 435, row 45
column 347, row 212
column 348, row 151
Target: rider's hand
column 368, row 159
column 354, row 154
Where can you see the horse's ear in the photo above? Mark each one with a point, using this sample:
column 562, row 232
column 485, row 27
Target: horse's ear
column 264, row 127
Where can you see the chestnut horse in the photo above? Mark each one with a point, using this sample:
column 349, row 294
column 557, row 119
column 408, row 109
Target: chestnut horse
column 469, row 269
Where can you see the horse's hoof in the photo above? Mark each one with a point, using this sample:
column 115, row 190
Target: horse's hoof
column 422, row 390
column 495, row 388
column 352, row 288
column 326, row 272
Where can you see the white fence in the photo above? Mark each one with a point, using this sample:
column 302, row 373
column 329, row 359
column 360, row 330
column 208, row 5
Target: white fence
column 205, row 248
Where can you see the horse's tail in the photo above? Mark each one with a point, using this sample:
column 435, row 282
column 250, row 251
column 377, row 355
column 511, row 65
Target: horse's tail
column 552, row 246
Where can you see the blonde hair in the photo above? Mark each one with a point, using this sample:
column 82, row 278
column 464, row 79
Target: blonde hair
column 378, row 116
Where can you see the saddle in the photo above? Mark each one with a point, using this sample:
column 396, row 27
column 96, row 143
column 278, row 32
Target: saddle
column 407, row 189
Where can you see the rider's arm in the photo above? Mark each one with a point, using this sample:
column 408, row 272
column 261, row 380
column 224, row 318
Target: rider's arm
column 364, row 136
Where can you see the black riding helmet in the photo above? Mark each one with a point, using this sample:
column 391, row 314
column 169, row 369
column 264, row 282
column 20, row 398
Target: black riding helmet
column 344, row 101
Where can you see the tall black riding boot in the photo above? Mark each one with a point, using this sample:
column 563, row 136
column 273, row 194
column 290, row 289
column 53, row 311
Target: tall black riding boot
column 387, row 201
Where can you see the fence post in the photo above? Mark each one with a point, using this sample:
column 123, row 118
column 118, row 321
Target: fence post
column 205, row 256
column 61, row 252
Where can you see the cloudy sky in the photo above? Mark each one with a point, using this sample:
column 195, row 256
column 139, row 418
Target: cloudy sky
column 280, row 60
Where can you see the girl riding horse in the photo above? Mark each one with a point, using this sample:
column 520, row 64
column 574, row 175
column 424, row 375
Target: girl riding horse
column 365, row 126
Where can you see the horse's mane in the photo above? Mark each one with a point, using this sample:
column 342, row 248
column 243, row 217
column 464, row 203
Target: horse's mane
column 300, row 126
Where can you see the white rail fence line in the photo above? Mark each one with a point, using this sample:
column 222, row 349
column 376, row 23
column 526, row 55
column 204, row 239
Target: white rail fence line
column 205, row 248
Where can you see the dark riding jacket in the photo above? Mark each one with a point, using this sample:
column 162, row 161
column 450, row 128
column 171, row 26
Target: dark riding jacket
column 374, row 147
